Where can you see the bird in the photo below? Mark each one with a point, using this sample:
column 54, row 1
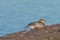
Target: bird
column 38, row 24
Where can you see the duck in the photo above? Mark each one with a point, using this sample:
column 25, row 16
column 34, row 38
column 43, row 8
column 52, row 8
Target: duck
column 38, row 24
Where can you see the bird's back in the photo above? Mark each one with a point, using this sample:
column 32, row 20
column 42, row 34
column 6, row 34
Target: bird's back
column 33, row 23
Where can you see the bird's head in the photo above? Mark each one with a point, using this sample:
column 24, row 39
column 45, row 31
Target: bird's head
column 42, row 20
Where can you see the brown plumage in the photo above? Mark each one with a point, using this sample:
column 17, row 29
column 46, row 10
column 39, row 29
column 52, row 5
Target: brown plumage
column 38, row 24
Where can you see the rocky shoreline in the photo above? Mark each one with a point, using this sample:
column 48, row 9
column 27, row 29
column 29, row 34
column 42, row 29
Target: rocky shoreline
column 51, row 32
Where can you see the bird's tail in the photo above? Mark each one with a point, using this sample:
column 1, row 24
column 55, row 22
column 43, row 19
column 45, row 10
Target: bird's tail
column 26, row 27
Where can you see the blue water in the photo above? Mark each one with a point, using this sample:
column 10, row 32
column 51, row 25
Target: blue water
column 16, row 14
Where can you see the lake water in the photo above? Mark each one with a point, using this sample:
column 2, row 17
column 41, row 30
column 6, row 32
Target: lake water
column 16, row 14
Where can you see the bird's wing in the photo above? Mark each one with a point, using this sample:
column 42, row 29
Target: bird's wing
column 33, row 23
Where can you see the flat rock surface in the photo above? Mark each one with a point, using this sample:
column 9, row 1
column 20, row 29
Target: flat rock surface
column 51, row 32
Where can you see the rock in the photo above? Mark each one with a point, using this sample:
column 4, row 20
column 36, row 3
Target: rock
column 51, row 32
